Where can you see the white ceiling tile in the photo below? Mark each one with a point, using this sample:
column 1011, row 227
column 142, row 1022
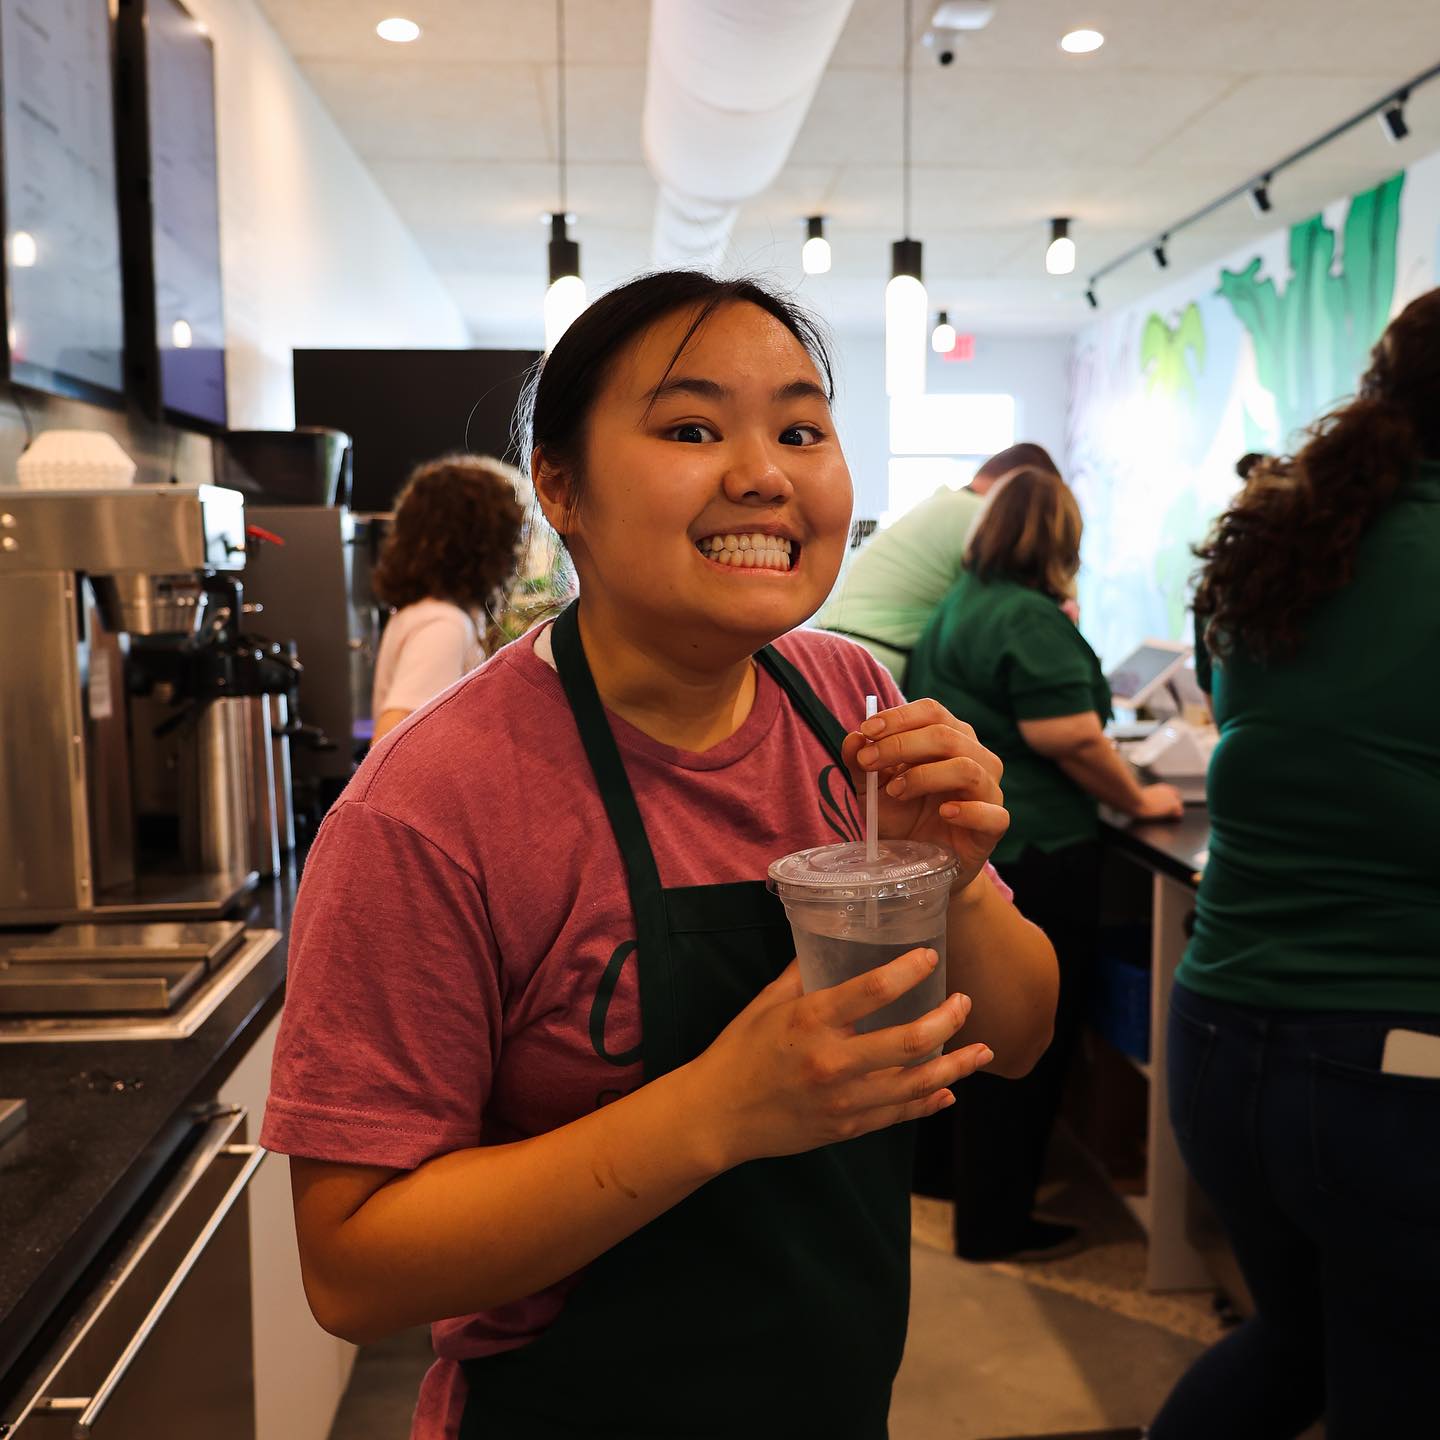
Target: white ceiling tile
column 603, row 105
column 498, row 193
column 450, row 111
column 1262, row 119
column 1182, row 103
column 978, row 121
column 491, row 32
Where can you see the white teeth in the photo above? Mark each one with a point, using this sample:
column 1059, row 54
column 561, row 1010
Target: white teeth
column 752, row 551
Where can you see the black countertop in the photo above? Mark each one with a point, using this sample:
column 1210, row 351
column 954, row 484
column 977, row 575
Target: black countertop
column 1177, row 848
column 104, row 1120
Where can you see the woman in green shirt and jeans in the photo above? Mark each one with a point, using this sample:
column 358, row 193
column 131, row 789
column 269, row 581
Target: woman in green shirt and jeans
column 1304, row 1043
column 1001, row 652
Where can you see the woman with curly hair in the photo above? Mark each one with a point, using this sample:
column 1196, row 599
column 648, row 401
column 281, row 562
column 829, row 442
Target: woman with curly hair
column 449, row 558
column 1304, row 1040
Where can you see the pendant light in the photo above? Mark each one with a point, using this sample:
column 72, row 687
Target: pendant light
column 907, row 308
column 1060, row 253
column 815, row 252
column 565, row 298
column 942, row 337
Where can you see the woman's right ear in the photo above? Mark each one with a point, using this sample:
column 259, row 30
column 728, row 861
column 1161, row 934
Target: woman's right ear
column 552, row 490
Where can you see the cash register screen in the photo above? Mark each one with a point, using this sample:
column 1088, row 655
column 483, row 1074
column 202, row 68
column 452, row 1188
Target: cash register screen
column 62, row 242
column 1139, row 672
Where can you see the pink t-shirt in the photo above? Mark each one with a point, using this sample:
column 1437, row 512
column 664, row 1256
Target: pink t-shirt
column 463, row 900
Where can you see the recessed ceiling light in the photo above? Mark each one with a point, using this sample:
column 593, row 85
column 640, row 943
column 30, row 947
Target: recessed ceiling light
column 1081, row 42
column 398, row 30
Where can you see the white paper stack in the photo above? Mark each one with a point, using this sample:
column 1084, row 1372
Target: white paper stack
column 74, row 460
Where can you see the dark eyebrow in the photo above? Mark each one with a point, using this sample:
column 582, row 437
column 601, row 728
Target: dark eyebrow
column 685, row 385
column 713, row 390
column 802, row 390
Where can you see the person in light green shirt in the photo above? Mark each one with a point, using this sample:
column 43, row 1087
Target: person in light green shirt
column 891, row 588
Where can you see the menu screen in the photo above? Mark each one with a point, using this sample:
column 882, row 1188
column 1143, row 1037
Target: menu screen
column 189, row 314
column 65, row 321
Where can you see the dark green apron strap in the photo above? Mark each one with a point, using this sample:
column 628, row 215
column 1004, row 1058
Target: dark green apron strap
column 816, row 713
column 652, row 936
column 657, row 995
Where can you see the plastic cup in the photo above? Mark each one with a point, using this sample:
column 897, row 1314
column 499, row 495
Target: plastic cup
column 849, row 914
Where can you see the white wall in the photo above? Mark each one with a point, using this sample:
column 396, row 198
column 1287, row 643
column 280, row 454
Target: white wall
column 313, row 253
column 1033, row 370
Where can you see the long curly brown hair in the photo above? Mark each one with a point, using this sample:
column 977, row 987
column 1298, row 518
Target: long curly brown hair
column 1290, row 538
column 456, row 535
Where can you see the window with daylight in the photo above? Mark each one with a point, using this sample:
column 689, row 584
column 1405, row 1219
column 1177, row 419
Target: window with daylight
column 942, row 440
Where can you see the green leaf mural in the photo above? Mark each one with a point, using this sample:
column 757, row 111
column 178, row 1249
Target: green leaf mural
column 1163, row 353
column 1313, row 341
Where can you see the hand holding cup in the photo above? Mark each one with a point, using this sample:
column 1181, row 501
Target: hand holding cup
column 791, row 1072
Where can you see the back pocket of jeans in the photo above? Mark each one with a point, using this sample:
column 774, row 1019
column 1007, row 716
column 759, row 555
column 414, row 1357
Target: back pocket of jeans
column 1188, row 1046
column 1377, row 1139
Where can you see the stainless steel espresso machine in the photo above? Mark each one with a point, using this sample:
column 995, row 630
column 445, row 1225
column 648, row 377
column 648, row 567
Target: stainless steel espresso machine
column 143, row 774
column 307, row 549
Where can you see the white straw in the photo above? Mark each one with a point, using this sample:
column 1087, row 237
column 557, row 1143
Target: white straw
column 872, row 836
column 872, row 796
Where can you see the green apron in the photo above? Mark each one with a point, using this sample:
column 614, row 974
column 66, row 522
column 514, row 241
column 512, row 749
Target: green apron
column 772, row 1303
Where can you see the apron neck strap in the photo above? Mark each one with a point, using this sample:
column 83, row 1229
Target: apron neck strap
column 812, row 708
column 604, row 754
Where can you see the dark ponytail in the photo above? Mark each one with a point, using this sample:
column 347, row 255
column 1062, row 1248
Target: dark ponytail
column 1290, row 538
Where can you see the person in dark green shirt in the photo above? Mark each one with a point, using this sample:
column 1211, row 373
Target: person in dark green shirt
column 1303, row 1052
column 1002, row 655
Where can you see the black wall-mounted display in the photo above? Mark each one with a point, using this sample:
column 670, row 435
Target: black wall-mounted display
column 62, row 305
column 170, row 208
column 404, row 406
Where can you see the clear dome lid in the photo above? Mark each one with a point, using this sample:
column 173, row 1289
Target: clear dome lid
column 841, row 872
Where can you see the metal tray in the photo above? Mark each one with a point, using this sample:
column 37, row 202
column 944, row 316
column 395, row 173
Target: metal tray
column 184, row 1020
column 74, row 987
column 208, row 941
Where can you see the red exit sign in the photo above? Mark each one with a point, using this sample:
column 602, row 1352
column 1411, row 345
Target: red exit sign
column 964, row 349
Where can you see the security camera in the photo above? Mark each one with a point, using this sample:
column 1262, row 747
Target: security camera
column 941, row 45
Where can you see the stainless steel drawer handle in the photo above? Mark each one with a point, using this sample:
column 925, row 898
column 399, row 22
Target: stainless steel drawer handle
column 222, row 1126
column 256, row 1156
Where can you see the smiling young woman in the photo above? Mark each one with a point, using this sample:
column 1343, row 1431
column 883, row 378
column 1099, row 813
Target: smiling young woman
column 546, row 1070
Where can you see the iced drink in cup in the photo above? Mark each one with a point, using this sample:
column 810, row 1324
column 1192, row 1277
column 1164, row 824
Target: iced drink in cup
column 849, row 914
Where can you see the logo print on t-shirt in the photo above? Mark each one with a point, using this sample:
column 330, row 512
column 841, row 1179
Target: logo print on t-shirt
column 837, row 804
column 600, row 1007
column 837, row 812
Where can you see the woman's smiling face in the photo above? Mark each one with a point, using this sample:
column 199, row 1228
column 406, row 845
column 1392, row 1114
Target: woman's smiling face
column 716, row 501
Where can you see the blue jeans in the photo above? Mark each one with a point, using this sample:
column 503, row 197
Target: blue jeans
column 1326, row 1175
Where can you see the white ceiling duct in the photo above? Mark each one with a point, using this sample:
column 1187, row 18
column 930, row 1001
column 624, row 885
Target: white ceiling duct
column 728, row 87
